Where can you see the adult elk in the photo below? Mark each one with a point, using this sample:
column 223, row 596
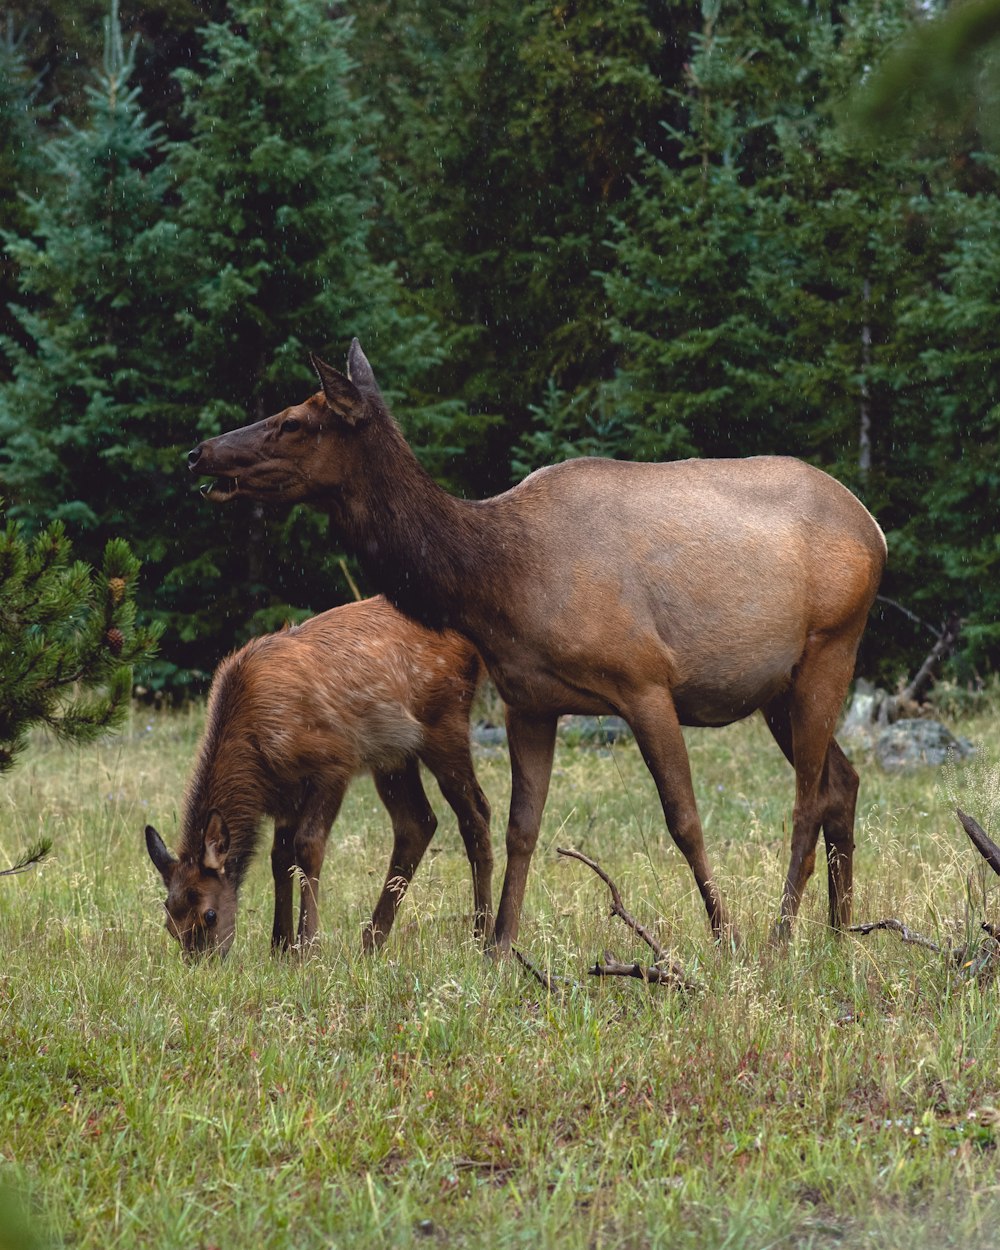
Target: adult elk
column 690, row 593
column 292, row 718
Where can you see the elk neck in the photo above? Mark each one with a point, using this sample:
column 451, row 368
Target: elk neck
column 441, row 560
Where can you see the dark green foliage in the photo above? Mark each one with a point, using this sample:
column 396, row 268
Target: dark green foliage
column 943, row 76
column 68, row 638
column 29, row 858
column 511, row 134
column 20, row 159
column 639, row 230
column 171, row 290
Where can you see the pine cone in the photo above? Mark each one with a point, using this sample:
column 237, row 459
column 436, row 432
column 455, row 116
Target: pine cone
column 116, row 589
column 114, row 640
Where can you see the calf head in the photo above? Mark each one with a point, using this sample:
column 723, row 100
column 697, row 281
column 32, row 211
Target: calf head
column 201, row 899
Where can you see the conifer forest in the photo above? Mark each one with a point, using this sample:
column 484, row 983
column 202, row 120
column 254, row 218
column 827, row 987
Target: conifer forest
column 643, row 230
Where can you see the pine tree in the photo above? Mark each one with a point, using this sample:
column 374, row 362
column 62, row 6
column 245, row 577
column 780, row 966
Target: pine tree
column 511, row 136
column 70, row 411
column 20, row 161
column 269, row 259
column 68, row 638
column 171, row 290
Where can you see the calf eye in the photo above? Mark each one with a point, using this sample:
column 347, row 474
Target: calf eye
column 210, row 917
column 290, row 424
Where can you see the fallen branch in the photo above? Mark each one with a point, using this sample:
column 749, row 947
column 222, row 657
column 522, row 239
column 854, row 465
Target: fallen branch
column 652, row 974
column 907, row 934
column 665, row 971
column 617, row 906
column 553, row 985
column 980, row 840
column 947, row 642
column 974, row 961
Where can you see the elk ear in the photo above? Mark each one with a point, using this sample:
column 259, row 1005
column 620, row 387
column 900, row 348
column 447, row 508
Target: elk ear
column 359, row 370
column 215, row 844
column 163, row 861
column 342, row 397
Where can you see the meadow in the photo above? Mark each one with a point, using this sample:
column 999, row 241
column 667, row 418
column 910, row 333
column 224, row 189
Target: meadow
column 837, row 1093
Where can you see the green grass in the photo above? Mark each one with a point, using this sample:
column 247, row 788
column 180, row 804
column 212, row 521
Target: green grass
column 840, row 1093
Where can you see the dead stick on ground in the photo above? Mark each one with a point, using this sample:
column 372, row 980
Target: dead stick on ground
column 672, row 973
column 653, row 974
column 897, row 926
column 554, row 985
column 980, row 839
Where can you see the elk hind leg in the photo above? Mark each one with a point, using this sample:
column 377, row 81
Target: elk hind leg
column 653, row 720
column 840, row 797
column 802, row 723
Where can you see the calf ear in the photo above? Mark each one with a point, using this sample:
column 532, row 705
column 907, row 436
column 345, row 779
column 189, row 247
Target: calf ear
column 215, row 844
column 342, row 397
column 163, row 861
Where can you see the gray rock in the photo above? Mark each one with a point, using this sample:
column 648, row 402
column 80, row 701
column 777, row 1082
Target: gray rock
column 591, row 731
column 912, row 744
column 489, row 735
column 866, row 714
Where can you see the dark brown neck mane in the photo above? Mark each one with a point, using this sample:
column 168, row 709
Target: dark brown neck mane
column 427, row 551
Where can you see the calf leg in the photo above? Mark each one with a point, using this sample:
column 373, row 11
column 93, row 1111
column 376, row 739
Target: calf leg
column 413, row 826
column 653, row 719
column 282, row 863
column 447, row 756
column 315, row 818
column 532, row 743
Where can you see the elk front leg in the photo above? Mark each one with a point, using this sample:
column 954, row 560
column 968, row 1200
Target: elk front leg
column 450, row 762
column 532, row 741
column 413, row 826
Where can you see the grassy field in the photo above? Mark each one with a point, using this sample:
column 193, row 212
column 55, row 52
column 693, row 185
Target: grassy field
column 837, row 1094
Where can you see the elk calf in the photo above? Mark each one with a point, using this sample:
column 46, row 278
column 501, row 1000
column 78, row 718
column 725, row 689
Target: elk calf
column 292, row 718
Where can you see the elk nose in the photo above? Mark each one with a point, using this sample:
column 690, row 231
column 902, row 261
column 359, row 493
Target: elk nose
column 194, row 456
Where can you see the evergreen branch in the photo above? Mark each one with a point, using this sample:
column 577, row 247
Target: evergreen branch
column 29, row 859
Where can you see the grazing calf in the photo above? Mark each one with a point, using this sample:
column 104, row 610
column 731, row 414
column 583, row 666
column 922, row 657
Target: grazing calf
column 688, row 593
column 292, row 718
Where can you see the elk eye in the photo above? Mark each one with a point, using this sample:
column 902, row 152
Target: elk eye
column 210, row 917
column 290, row 424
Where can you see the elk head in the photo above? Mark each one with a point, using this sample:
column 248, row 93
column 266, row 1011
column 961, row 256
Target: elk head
column 201, row 899
column 302, row 453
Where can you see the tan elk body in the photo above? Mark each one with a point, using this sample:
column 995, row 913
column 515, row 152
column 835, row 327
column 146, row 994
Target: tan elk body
column 688, row 593
column 293, row 717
